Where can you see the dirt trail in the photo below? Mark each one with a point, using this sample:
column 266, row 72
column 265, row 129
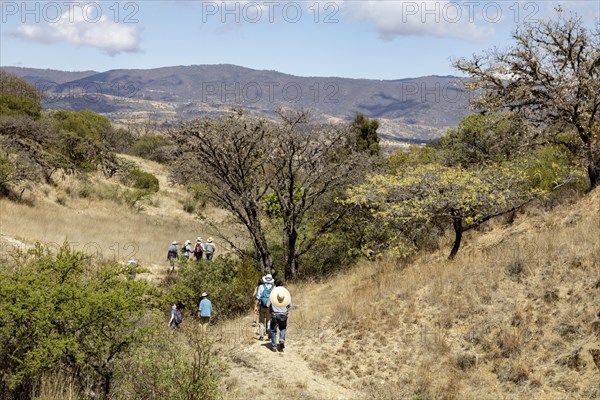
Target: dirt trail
column 304, row 370
column 256, row 370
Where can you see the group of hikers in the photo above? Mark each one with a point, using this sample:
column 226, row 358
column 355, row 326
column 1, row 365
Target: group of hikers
column 272, row 302
column 198, row 251
column 204, row 313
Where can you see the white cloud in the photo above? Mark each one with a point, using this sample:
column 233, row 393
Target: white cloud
column 83, row 27
column 473, row 21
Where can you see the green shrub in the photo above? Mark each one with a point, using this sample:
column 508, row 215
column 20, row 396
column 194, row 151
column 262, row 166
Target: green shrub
column 139, row 179
column 152, row 147
column 18, row 97
column 167, row 367
column 228, row 282
column 63, row 313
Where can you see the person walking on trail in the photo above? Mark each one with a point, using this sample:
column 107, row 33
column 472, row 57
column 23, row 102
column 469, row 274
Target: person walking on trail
column 204, row 311
column 256, row 307
column 186, row 250
column 176, row 317
column 210, row 248
column 172, row 256
column 264, row 313
column 280, row 300
column 198, row 249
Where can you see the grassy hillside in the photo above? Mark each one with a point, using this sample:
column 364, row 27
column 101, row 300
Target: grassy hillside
column 515, row 315
column 93, row 216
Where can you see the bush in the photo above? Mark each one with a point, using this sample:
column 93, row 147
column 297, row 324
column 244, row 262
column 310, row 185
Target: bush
column 120, row 140
column 152, row 147
column 139, row 179
column 229, row 284
column 62, row 313
column 18, row 97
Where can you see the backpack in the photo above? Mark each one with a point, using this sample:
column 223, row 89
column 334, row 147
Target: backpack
column 264, row 298
column 178, row 317
column 198, row 248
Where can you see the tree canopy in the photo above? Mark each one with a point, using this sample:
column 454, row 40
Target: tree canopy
column 551, row 75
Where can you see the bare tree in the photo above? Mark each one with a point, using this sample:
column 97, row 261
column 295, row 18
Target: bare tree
column 247, row 162
column 552, row 76
column 229, row 156
column 311, row 162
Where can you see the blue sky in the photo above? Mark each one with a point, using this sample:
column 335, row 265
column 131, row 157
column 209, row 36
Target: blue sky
column 346, row 38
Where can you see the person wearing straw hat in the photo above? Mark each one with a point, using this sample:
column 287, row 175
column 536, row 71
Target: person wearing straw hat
column 172, row 255
column 204, row 311
column 281, row 300
column 264, row 314
column 210, row 248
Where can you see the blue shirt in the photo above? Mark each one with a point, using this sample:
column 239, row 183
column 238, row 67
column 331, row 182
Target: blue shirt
column 205, row 307
column 172, row 253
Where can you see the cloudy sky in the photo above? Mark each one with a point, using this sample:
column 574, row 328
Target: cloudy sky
column 379, row 39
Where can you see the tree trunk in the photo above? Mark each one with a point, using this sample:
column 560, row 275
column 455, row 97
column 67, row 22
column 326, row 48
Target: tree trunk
column 260, row 242
column 458, row 230
column 264, row 255
column 290, row 240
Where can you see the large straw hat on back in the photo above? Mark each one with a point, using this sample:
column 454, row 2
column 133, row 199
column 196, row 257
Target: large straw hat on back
column 280, row 297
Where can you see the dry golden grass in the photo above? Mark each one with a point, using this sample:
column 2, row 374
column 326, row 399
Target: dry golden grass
column 515, row 315
column 104, row 228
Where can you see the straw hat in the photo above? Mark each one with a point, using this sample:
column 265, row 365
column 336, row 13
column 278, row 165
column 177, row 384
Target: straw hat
column 267, row 278
column 174, row 242
column 188, row 241
column 280, row 297
column 210, row 239
column 198, row 239
column 203, row 294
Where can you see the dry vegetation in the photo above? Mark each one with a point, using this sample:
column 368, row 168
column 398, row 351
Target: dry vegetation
column 94, row 216
column 516, row 315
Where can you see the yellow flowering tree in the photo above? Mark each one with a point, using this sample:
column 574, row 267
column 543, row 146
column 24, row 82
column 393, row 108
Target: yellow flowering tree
column 412, row 199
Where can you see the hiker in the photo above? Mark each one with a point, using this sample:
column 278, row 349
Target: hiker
column 186, row 249
column 131, row 268
column 204, row 311
column 280, row 300
column 210, row 248
column 264, row 313
column 176, row 317
column 172, row 255
column 198, row 249
column 256, row 307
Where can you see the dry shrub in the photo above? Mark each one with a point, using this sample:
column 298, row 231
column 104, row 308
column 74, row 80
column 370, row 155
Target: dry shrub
column 517, row 371
column 465, row 361
column 510, row 341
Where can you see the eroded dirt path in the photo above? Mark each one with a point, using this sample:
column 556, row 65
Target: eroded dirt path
column 256, row 370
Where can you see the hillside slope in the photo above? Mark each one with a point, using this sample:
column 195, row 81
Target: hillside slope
column 514, row 316
column 412, row 109
column 92, row 216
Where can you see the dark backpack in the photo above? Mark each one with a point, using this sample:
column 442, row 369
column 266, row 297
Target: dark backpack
column 178, row 317
column 264, row 298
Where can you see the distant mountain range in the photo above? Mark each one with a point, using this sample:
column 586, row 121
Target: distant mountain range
column 415, row 109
